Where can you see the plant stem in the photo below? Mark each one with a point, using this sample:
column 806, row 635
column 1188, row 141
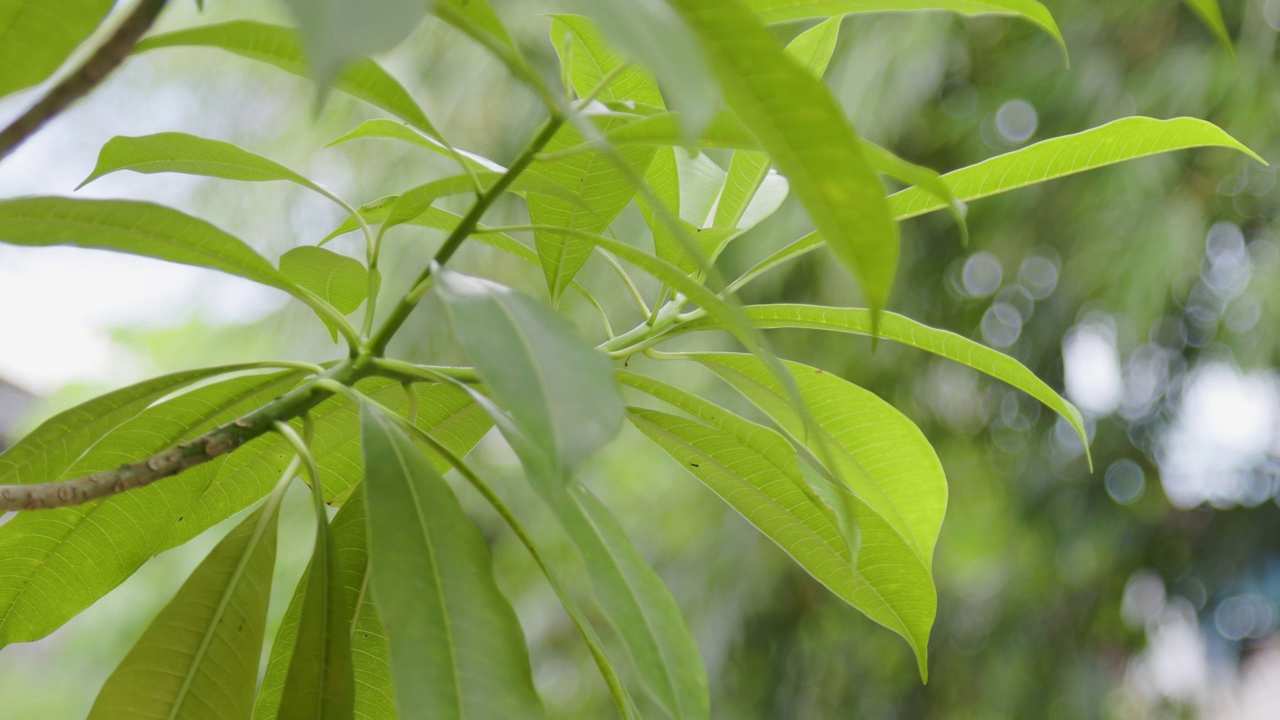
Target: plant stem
column 378, row 343
column 79, row 83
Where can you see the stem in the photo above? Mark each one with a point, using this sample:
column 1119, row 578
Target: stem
column 378, row 343
column 166, row 463
column 313, row 469
column 104, row 60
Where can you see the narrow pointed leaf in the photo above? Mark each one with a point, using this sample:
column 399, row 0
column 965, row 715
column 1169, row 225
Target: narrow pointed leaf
column 803, row 129
column 393, row 130
column 55, row 563
column 191, row 155
column 456, row 647
column 558, row 388
column 368, row 641
column 909, row 332
column 36, row 37
column 199, row 659
column 144, row 229
column 279, row 46
column 415, row 201
column 1210, row 14
column 320, row 684
column 776, row 11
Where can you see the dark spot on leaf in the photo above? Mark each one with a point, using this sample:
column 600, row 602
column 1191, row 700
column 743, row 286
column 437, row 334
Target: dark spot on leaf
column 695, row 464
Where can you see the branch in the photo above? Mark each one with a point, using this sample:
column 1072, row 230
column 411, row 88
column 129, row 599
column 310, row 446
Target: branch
column 78, row 84
column 170, row 462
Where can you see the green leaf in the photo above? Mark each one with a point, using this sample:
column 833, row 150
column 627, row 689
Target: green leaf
column 650, row 33
column 341, row 281
column 415, row 201
column 367, row 636
column 141, row 229
column 279, row 46
column 751, row 467
column 393, row 130
column 36, row 37
column 1210, row 14
column 638, row 604
column 335, row 34
column 320, row 684
column 776, row 11
column 876, row 451
column 1117, row 141
column 559, row 390
column 605, row 192
column 909, row 332
column 803, row 129
column 191, row 155
column 55, row 563
column 199, row 659
column 748, row 171
column 1125, row 139
column 456, row 647
column 589, row 60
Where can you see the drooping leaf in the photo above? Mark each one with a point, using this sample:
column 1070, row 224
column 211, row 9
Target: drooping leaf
column 871, row 447
column 415, row 201
column 776, row 11
column 558, row 389
column 749, row 170
column 341, row 281
column 55, row 563
column 280, row 46
column 1125, row 139
column 649, row 32
column 639, row 605
column 335, row 34
column 373, row 699
column 456, row 647
column 36, row 37
column 909, row 332
column 141, row 228
column 192, row 155
column 1211, row 14
column 803, row 129
column 605, row 192
column 392, row 130
column 320, row 684
column 199, row 659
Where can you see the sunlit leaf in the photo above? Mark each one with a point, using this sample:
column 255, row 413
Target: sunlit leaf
column 280, row 46
column 605, row 192
column 372, row 671
column 393, row 130
column 909, row 332
column 191, row 155
column 140, row 228
column 590, row 61
column 456, row 647
column 341, row 281
column 199, row 659
column 775, row 11
column 1125, row 139
column 649, row 32
column 558, row 389
column 36, row 37
column 415, row 201
column 320, row 684
column 803, row 129
column 748, row 170
column 55, row 563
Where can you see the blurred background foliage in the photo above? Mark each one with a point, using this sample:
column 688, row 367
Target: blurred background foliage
column 1148, row 587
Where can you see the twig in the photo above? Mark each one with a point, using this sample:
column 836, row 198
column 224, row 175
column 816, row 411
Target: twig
column 78, row 84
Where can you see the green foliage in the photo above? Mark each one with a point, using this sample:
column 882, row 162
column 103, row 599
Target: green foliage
column 399, row 613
